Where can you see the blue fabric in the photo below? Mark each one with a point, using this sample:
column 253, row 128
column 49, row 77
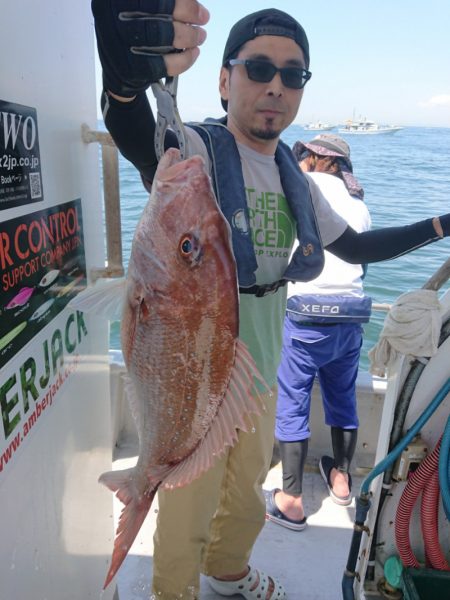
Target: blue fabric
column 229, row 187
column 329, row 308
column 332, row 352
column 308, row 259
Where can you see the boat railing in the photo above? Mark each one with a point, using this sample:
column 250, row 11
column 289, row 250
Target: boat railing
column 435, row 282
column 438, row 279
column 111, row 197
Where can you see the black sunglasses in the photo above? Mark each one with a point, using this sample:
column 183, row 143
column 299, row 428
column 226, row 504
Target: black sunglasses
column 264, row 71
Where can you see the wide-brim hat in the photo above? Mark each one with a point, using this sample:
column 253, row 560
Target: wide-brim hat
column 327, row 144
column 324, row 144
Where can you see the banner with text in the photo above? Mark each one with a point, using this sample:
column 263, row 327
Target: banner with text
column 42, row 266
column 31, row 385
column 20, row 161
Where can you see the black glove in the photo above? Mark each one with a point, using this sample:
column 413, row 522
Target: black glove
column 132, row 35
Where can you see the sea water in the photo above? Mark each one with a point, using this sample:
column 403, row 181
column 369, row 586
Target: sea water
column 406, row 178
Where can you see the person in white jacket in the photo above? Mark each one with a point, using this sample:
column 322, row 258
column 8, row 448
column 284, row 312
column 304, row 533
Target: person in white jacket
column 322, row 337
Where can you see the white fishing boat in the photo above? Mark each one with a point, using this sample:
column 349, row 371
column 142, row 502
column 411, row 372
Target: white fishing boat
column 65, row 418
column 318, row 126
column 367, row 127
column 402, row 417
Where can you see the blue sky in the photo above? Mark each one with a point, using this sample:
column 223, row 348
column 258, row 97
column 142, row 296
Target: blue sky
column 387, row 60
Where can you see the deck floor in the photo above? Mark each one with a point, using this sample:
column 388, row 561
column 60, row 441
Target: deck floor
column 308, row 563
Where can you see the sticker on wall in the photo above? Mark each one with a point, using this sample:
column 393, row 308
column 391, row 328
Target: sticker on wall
column 42, row 266
column 31, row 385
column 20, row 162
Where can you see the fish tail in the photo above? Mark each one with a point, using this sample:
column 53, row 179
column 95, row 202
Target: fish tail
column 133, row 514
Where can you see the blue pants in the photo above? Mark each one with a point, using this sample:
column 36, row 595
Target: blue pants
column 332, row 353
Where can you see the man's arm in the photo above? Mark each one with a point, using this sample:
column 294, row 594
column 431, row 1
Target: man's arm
column 389, row 242
column 132, row 127
column 140, row 42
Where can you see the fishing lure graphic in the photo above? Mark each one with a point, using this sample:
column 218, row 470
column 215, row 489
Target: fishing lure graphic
column 42, row 310
column 21, row 298
column 69, row 287
column 6, row 339
column 49, row 278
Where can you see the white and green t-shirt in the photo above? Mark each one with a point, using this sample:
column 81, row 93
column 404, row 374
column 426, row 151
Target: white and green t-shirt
column 273, row 232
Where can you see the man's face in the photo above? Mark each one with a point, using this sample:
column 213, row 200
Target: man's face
column 259, row 112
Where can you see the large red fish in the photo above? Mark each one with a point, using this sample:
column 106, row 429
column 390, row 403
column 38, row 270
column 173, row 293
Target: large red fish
column 190, row 379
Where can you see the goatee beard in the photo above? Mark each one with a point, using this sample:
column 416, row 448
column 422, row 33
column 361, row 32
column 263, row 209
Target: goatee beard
column 265, row 134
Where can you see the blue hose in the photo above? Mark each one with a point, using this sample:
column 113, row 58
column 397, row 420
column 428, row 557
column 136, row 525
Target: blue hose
column 398, row 449
column 444, row 469
column 363, row 503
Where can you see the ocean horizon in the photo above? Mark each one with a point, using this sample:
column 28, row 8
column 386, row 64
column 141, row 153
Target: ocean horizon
column 405, row 178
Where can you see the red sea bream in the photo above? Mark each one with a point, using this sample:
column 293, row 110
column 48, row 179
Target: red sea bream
column 190, row 380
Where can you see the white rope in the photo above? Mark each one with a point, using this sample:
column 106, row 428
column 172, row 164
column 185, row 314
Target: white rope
column 411, row 328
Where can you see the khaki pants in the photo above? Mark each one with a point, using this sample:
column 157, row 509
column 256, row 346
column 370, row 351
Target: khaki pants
column 210, row 526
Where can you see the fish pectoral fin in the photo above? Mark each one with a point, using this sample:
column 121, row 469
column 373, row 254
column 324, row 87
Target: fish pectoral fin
column 104, row 298
column 133, row 515
column 241, row 401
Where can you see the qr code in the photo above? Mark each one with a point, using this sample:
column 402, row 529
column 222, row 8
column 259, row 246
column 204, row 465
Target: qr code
column 35, row 185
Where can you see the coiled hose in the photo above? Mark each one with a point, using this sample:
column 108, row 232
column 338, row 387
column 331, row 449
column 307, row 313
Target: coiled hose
column 401, row 411
column 429, row 516
column 425, row 480
column 363, row 503
column 444, row 469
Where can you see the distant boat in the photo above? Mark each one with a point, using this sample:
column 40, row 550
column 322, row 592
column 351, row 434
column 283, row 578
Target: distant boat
column 319, row 126
column 364, row 126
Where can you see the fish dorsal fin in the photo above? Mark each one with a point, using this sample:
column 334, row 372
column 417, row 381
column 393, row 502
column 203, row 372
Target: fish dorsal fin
column 241, row 401
column 104, row 298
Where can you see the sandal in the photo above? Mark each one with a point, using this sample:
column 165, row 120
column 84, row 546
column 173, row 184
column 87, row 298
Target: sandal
column 253, row 586
column 326, row 464
column 274, row 514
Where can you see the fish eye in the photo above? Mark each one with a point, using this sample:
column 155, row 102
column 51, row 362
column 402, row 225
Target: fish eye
column 190, row 249
column 186, row 246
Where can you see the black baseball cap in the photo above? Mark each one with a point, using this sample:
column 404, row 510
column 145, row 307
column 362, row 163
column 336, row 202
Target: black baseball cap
column 269, row 21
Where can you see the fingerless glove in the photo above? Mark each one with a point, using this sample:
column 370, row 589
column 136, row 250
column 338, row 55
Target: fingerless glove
column 131, row 42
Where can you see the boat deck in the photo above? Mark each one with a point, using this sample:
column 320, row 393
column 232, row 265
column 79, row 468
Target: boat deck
column 309, row 563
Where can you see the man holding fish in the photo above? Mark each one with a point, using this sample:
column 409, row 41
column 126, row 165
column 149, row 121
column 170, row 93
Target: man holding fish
column 209, row 525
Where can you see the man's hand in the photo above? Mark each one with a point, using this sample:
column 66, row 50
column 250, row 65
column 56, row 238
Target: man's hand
column 141, row 41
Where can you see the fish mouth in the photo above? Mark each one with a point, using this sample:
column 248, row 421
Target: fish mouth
column 171, row 167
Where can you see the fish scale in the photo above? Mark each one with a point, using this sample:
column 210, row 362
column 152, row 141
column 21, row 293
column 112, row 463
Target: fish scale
column 160, row 421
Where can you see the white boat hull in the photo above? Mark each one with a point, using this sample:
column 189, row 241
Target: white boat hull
column 319, row 126
column 379, row 131
column 329, row 128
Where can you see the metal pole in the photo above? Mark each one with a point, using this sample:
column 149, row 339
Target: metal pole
column 111, row 193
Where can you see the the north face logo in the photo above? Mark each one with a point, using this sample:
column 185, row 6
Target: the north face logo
column 271, row 223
